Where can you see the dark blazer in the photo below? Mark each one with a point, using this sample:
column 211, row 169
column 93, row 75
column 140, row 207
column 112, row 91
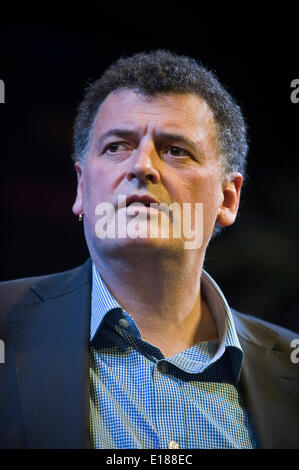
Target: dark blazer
column 44, row 390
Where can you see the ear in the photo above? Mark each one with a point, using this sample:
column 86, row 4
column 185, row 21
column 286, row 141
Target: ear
column 77, row 206
column 231, row 190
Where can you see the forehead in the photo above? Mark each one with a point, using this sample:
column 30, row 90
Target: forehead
column 170, row 111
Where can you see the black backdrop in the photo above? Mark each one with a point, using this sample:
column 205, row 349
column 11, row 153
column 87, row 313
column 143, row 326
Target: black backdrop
column 47, row 56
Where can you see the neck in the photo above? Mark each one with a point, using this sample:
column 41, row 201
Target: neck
column 162, row 294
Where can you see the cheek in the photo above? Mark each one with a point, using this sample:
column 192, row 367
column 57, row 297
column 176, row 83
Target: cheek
column 95, row 190
column 203, row 188
column 194, row 187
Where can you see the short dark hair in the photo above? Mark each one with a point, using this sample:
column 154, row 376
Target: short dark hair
column 161, row 71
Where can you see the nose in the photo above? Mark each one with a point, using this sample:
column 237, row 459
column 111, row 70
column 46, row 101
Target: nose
column 144, row 165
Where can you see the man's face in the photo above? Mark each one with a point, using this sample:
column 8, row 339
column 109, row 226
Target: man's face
column 161, row 149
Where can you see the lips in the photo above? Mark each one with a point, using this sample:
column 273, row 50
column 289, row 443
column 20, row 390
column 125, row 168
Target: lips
column 144, row 199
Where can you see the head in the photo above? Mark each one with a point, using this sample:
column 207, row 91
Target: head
column 152, row 97
column 161, row 72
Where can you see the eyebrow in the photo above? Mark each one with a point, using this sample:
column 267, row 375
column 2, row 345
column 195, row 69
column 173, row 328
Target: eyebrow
column 117, row 132
column 177, row 138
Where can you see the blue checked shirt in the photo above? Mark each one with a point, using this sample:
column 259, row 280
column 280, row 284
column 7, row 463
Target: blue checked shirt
column 140, row 400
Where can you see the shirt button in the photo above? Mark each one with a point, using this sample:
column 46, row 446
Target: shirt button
column 123, row 323
column 173, row 445
column 164, row 367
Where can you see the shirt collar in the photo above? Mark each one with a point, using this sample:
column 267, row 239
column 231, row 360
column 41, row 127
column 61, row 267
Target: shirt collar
column 228, row 338
column 220, row 310
column 102, row 302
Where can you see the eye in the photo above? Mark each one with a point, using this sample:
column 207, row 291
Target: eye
column 114, row 147
column 118, row 150
column 177, row 151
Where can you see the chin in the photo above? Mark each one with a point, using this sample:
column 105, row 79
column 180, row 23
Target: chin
column 141, row 246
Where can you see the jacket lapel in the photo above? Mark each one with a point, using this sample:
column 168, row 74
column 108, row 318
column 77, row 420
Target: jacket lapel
column 51, row 338
column 269, row 384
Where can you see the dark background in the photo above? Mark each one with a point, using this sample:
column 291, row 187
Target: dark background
column 46, row 58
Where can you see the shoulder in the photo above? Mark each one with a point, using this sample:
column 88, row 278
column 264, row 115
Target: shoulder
column 30, row 290
column 263, row 333
column 14, row 290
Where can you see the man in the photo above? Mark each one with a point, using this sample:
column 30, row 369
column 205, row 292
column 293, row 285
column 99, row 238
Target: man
column 138, row 348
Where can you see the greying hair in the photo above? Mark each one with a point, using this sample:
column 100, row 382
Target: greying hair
column 159, row 72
